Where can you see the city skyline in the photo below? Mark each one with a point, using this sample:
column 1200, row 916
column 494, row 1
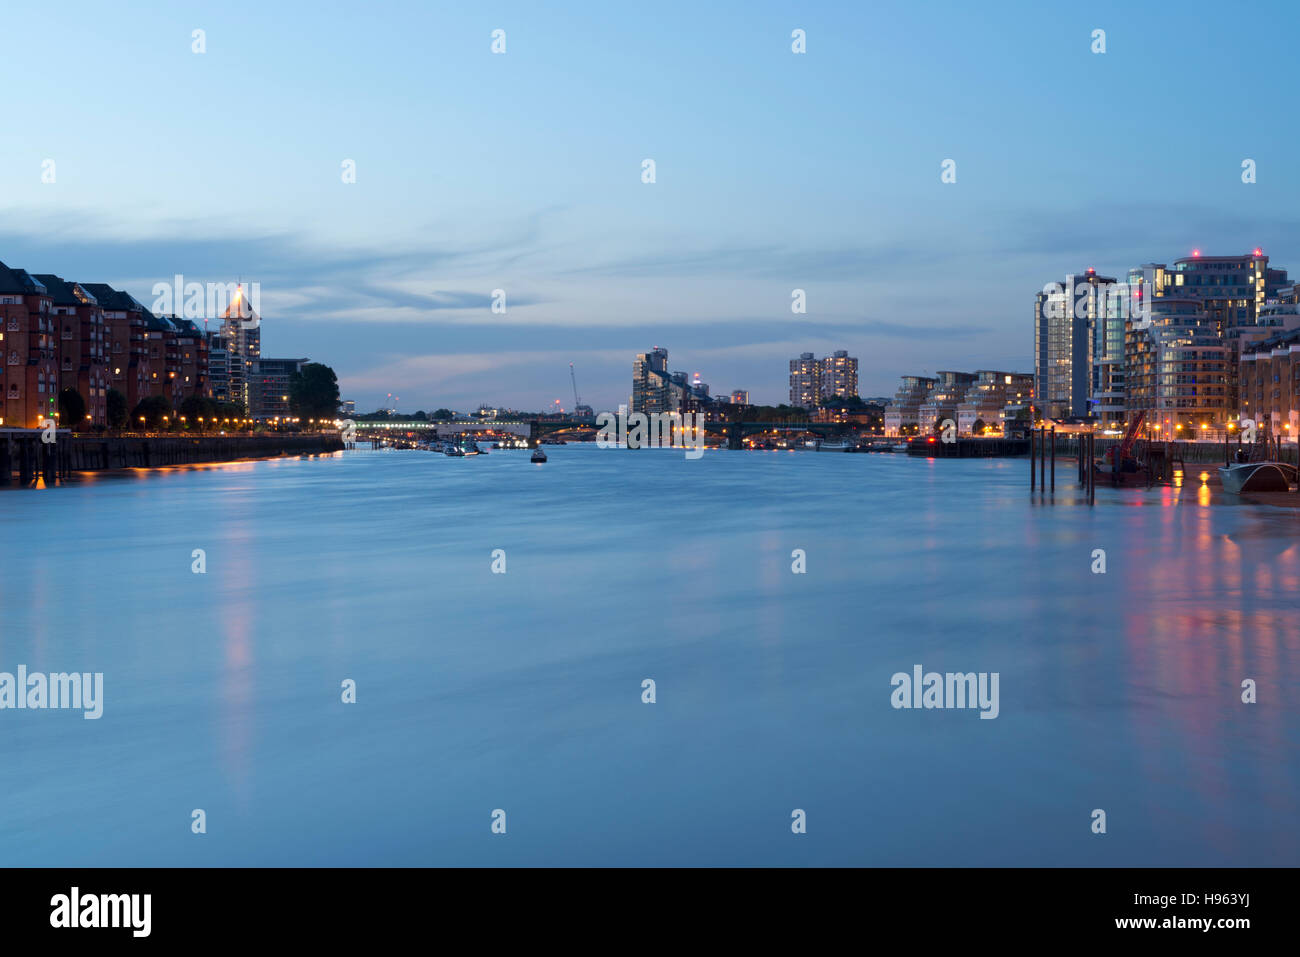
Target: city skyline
column 780, row 182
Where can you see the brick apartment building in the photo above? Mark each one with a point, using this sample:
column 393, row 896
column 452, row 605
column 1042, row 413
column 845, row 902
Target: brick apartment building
column 1270, row 384
column 130, row 370
column 56, row 333
column 29, row 376
column 83, row 346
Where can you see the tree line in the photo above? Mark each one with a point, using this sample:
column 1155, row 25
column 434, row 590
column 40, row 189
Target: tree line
column 313, row 394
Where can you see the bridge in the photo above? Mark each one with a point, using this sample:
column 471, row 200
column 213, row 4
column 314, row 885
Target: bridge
column 537, row 429
column 532, row 429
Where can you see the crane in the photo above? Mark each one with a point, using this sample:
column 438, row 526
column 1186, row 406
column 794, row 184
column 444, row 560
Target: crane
column 1120, row 454
column 574, row 379
column 579, row 410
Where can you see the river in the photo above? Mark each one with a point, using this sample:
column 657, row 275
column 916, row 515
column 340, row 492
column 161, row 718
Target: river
column 478, row 691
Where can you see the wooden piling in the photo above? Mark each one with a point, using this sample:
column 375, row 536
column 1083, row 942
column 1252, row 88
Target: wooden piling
column 1092, row 471
column 1032, row 464
column 1042, row 459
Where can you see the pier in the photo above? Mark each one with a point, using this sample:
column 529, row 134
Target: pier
column 1160, row 465
column 967, row 448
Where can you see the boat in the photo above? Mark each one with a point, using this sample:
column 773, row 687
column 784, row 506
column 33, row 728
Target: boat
column 538, row 456
column 1258, row 477
column 841, row 446
column 1130, row 471
column 901, row 447
column 449, row 449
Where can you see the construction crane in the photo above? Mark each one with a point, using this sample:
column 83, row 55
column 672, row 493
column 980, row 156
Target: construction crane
column 579, row 409
column 1117, row 466
column 1131, row 437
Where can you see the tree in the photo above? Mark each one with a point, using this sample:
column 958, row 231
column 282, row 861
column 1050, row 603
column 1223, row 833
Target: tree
column 72, row 409
column 234, row 411
column 116, row 409
column 443, row 415
column 979, row 427
column 195, row 407
column 314, row 392
column 152, row 410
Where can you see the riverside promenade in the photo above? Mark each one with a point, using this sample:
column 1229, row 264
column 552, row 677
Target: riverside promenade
column 24, row 456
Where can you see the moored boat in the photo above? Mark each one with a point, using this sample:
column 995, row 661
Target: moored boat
column 538, row 456
column 1258, row 477
column 1130, row 473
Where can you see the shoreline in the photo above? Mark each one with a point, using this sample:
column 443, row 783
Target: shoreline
column 25, row 458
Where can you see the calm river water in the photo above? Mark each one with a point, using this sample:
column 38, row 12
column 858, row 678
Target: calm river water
column 522, row 691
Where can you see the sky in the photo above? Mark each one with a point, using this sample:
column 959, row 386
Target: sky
column 522, row 171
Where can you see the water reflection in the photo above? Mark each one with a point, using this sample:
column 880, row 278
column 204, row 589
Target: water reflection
column 773, row 685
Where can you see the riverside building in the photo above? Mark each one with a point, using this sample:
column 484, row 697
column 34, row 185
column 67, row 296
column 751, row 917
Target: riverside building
column 805, row 381
column 83, row 347
column 268, row 387
column 1232, row 290
column 902, row 415
column 29, row 375
column 651, row 382
column 1270, row 383
column 814, row 380
column 1177, row 371
column 1064, row 318
column 941, row 402
column 839, row 376
column 988, row 396
column 130, row 369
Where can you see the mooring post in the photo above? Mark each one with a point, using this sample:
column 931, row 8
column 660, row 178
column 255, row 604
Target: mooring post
column 1090, row 476
column 1032, row 464
column 1085, row 454
column 1042, row 459
column 1092, row 485
column 1053, row 458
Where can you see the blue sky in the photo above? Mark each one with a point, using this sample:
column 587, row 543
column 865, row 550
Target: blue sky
column 522, row 172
